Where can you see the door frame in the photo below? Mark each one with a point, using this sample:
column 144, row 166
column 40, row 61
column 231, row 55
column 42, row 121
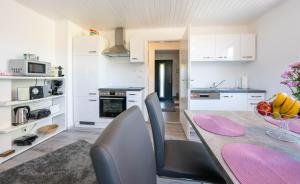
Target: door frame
column 156, row 82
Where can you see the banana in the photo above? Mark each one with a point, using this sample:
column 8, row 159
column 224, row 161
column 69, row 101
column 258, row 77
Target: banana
column 287, row 105
column 280, row 98
column 293, row 111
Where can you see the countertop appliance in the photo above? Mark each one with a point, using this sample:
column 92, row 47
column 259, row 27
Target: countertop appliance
column 39, row 114
column 21, row 115
column 29, row 67
column 25, row 140
column 111, row 103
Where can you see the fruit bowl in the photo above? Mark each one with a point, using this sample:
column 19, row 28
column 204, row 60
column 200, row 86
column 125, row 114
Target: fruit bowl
column 282, row 121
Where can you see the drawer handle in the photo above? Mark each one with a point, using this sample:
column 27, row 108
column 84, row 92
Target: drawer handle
column 134, row 58
column 92, row 51
column 132, row 94
column 92, row 100
column 253, row 103
column 92, row 93
column 131, row 101
column 256, row 96
column 247, row 57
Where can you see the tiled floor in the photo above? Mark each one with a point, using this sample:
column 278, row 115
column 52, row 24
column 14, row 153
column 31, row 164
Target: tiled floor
column 173, row 131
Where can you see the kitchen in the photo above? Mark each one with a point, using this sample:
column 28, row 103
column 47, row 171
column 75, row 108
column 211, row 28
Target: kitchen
column 103, row 63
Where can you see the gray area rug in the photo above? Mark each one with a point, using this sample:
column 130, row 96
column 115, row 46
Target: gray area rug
column 68, row 165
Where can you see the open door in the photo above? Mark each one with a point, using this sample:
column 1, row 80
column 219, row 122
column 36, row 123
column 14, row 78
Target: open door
column 185, row 66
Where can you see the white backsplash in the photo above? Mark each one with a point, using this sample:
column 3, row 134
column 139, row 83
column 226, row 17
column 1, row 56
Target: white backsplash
column 203, row 74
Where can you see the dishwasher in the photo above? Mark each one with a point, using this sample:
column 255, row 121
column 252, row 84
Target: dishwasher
column 205, row 101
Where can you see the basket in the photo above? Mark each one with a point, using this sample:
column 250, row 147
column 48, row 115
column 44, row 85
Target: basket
column 47, row 129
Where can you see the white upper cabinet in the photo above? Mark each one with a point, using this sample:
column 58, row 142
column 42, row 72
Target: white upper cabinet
column 88, row 45
column 228, row 47
column 203, row 47
column 248, row 47
column 137, row 50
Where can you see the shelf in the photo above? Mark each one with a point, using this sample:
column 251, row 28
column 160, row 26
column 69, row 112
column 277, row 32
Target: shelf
column 29, row 78
column 30, row 122
column 13, row 103
column 21, row 149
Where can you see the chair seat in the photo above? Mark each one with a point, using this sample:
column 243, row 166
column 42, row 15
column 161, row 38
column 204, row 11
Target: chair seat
column 187, row 159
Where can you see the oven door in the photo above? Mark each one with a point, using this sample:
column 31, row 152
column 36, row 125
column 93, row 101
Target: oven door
column 111, row 106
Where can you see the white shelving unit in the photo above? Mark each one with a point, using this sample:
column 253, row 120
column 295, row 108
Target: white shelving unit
column 8, row 132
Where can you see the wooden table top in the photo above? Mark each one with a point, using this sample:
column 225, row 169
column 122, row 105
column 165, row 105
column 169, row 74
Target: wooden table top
column 255, row 134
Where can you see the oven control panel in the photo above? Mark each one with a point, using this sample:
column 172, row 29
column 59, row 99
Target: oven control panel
column 112, row 93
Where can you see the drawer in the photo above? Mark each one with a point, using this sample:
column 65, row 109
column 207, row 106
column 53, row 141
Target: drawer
column 136, row 94
column 252, row 104
column 256, row 96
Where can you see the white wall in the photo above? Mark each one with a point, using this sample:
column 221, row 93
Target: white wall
column 24, row 31
column 174, row 56
column 278, row 44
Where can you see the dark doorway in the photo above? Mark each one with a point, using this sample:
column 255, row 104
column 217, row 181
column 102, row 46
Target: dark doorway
column 163, row 79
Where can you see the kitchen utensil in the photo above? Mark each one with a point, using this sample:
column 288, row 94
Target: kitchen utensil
column 39, row 114
column 47, row 129
column 7, row 153
column 21, row 115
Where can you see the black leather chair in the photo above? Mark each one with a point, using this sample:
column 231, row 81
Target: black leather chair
column 177, row 158
column 123, row 154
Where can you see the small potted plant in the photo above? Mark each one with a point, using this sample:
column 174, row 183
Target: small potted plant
column 292, row 79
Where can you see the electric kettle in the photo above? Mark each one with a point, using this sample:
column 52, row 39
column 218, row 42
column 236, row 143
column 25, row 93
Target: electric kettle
column 21, row 115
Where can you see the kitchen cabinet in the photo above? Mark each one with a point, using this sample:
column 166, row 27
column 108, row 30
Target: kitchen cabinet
column 85, row 75
column 248, row 47
column 137, row 50
column 202, row 47
column 86, row 109
column 135, row 98
column 233, row 101
column 88, row 45
column 228, row 47
column 254, row 99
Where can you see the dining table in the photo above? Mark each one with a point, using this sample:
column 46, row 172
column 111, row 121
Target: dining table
column 255, row 134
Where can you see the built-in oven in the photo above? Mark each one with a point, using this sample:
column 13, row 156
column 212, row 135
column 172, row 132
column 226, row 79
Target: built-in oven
column 112, row 103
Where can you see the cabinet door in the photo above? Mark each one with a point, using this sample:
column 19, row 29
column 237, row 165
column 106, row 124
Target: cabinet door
column 87, row 45
column 248, row 47
column 85, row 75
column 228, row 47
column 233, row 101
column 137, row 50
column 134, row 98
column 202, row 48
column 86, row 109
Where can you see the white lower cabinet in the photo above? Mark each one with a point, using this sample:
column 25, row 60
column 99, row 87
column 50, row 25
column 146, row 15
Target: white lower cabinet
column 254, row 99
column 134, row 98
column 86, row 110
column 233, row 102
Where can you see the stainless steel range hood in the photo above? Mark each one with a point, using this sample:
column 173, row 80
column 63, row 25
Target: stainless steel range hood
column 118, row 50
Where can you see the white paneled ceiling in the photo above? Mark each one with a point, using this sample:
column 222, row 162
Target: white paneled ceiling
column 108, row 14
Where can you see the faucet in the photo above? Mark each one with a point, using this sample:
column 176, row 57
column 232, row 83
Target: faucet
column 215, row 84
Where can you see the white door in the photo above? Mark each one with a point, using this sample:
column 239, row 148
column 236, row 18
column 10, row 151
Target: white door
column 184, row 80
column 203, row 47
column 137, row 50
column 248, row 47
column 87, row 45
column 228, row 47
column 86, row 75
column 86, row 109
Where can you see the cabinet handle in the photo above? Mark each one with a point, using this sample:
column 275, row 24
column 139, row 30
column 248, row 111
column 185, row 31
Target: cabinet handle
column 247, row 57
column 132, row 94
column 253, row 103
column 256, row 96
column 226, row 96
column 220, row 57
column 92, row 93
column 207, row 57
column 225, row 57
column 92, row 51
column 92, row 100
column 131, row 101
column 134, row 58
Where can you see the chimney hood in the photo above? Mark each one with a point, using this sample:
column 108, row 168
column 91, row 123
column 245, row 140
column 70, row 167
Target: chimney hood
column 118, row 50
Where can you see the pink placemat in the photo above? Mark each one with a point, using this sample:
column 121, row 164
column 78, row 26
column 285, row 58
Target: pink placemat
column 219, row 125
column 253, row 164
column 294, row 124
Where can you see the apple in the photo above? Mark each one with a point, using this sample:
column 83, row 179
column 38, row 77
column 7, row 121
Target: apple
column 264, row 108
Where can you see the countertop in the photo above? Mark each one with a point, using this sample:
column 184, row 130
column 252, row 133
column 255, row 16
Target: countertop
column 227, row 90
column 122, row 89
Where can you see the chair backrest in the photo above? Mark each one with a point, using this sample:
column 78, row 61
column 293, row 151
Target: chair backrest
column 123, row 153
column 158, row 127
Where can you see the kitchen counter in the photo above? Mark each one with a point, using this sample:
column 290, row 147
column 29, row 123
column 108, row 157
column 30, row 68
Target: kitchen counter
column 122, row 88
column 226, row 90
